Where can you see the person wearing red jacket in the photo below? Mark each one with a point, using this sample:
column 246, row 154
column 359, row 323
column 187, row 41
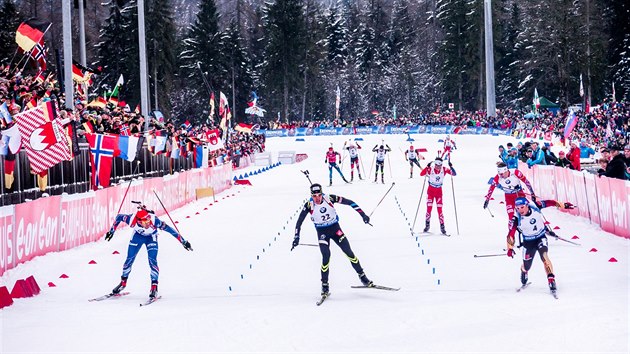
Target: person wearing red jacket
column 435, row 172
column 574, row 156
column 510, row 182
column 530, row 224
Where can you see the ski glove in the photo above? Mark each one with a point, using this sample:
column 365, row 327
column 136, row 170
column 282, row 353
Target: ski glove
column 109, row 235
column 296, row 242
column 187, row 246
column 366, row 218
column 567, row 205
column 450, row 164
column 485, row 204
column 511, row 253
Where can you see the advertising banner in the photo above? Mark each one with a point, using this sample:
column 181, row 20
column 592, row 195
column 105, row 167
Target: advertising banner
column 36, row 228
column 6, row 234
column 602, row 185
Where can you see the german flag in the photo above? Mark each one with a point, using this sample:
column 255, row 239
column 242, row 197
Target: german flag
column 30, row 32
column 99, row 102
column 80, row 73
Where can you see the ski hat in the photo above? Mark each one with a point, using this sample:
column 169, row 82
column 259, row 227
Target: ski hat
column 521, row 201
column 381, row 147
column 561, row 153
column 411, row 147
column 142, row 214
column 438, row 161
column 330, row 148
column 316, row 188
column 502, row 169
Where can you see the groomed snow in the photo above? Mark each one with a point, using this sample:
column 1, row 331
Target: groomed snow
column 242, row 243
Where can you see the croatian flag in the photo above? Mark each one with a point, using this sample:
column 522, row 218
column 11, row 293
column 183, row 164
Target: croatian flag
column 572, row 120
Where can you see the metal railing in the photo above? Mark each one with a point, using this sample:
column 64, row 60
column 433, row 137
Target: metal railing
column 74, row 176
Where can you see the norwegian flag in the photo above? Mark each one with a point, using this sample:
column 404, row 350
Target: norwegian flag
column 43, row 137
column 38, row 53
column 103, row 148
column 124, row 130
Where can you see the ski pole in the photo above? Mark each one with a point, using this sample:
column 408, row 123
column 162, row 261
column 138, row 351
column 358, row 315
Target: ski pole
column 309, row 244
column 490, row 255
column 488, row 209
column 163, row 207
column 305, row 172
column 553, row 234
column 419, row 201
column 128, row 186
column 380, row 201
column 454, row 202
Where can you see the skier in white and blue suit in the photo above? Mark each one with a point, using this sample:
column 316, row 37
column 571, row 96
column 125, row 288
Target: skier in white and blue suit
column 145, row 227
column 326, row 220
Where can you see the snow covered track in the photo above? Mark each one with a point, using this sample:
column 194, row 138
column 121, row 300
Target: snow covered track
column 208, row 307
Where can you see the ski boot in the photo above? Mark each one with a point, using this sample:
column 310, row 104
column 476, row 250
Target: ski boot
column 442, row 229
column 411, row 175
column 523, row 277
column 120, row 287
column 330, row 183
column 552, row 282
column 361, row 178
column 382, row 179
column 365, row 281
column 426, row 226
column 351, row 177
column 325, row 289
column 154, row 290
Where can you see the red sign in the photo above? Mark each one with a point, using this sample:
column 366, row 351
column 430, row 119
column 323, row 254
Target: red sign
column 6, row 234
column 604, row 204
column 619, row 206
column 36, row 228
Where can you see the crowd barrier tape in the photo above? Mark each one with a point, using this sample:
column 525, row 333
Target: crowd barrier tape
column 384, row 129
column 62, row 222
column 604, row 201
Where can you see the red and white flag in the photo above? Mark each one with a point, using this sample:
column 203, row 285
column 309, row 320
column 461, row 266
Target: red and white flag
column 43, row 137
column 214, row 140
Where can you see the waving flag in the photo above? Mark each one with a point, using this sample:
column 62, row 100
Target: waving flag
column 38, row 53
column 43, row 137
column 536, row 100
column 30, row 32
column 103, row 148
column 246, row 128
column 570, row 124
column 581, row 87
column 129, row 146
column 214, row 140
column 211, row 115
column 253, row 106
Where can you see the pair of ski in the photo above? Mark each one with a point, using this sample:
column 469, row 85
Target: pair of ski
column 554, row 293
column 115, row 296
column 373, row 286
column 430, row 234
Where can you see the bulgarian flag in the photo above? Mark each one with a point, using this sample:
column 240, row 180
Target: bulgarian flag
column 113, row 95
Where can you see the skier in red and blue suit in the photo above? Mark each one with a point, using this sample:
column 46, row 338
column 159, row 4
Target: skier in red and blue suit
column 145, row 227
column 331, row 159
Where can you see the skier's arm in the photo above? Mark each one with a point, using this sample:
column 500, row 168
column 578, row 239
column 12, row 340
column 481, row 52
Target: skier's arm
column 510, row 236
column 346, row 201
column 425, row 170
column 493, row 185
column 161, row 225
column 375, row 148
column 450, row 170
column 126, row 218
column 552, row 203
column 298, row 224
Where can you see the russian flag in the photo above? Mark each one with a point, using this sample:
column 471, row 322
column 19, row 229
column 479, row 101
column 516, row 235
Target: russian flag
column 572, row 120
column 128, row 146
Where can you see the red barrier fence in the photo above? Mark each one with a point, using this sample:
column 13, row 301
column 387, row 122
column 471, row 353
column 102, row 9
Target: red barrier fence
column 63, row 222
column 602, row 200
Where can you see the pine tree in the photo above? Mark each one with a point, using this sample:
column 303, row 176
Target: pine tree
column 284, row 52
column 203, row 49
column 161, row 47
column 238, row 65
column 10, row 19
column 118, row 50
